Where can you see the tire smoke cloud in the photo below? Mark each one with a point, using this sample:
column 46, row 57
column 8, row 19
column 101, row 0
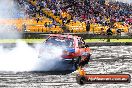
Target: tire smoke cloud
column 23, row 57
column 9, row 9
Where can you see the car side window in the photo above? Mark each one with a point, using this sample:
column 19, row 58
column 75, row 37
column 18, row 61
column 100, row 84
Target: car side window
column 81, row 43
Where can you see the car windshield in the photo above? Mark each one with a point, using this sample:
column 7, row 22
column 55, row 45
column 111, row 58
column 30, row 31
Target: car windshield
column 60, row 41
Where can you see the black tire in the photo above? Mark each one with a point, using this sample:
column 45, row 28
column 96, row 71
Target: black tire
column 76, row 63
column 81, row 80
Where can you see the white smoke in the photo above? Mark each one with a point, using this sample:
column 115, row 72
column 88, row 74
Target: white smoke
column 9, row 9
column 20, row 58
column 49, row 57
column 26, row 58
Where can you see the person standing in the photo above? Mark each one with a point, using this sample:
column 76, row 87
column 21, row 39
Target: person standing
column 109, row 33
column 87, row 26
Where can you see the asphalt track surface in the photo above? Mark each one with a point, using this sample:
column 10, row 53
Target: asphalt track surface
column 105, row 59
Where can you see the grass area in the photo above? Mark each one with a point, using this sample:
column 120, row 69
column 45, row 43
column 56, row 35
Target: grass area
column 111, row 40
column 42, row 40
column 26, row 40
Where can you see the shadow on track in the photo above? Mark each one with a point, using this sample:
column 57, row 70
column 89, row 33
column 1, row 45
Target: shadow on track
column 48, row 72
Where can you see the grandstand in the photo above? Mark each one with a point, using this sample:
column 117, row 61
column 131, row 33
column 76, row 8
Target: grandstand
column 80, row 16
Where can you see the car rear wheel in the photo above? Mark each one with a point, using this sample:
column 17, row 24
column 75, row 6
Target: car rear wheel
column 76, row 62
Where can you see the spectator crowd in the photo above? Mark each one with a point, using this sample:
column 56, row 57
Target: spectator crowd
column 89, row 11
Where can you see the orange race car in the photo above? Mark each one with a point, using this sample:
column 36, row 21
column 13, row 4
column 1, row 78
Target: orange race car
column 75, row 51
